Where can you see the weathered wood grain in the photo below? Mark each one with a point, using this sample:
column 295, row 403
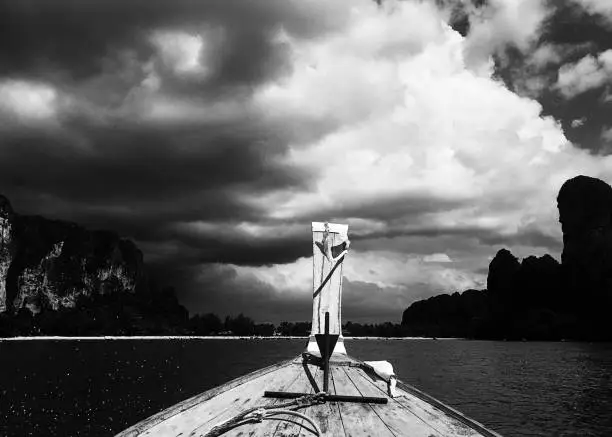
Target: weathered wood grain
column 397, row 418
column 329, row 298
column 325, row 415
column 202, row 417
column 426, row 413
column 164, row 415
column 269, row 428
column 412, row 413
column 286, row 429
column 357, row 419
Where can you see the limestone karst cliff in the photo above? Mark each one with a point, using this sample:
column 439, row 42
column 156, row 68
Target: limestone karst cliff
column 49, row 263
column 58, row 277
column 538, row 298
column 585, row 213
column 6, row 246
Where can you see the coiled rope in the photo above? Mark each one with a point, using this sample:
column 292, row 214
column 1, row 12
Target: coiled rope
column 268, row 412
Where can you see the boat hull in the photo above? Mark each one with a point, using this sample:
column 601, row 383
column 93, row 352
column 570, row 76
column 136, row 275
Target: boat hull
column 409, row 413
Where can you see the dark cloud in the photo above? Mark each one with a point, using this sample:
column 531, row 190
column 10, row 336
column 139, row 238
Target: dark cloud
column 205, row 287
column 366, row 303
column 459, row 18
column 122, row 163
column 571, row 24
column 75, row 40
column 403, row 208
column 466, row 239
column 244, row 250
column 424, row 231
column 572, row 33
column 144, row 182
column 528, row 237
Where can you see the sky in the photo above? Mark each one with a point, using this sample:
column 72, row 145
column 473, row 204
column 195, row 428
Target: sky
column 213, row 132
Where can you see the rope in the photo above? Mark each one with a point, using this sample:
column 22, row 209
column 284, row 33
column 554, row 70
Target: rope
column 266, row 412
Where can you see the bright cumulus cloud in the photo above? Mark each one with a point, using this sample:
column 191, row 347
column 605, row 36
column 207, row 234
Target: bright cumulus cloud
column 417, row 123
column 588, row 73
column 503, row 23
column 403, row 117
column 181, row 52
column 28, row 101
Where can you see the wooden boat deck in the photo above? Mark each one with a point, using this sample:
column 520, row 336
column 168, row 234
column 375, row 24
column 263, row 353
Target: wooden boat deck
column 409, row 413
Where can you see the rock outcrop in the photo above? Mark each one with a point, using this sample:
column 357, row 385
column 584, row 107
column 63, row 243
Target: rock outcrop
column 57, row 278
column 533, row 281
column 539, row 298
column 6, row 246
column 585, row 213
column 49, row 264
column 503, row 270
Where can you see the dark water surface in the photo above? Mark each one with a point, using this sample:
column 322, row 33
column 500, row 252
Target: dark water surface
column 98, row 388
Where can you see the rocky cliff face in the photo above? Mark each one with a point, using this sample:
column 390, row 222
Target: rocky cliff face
column 539, row 298
column 502, row 270
column 585, row 213
column 48, row 264
column 6, row 246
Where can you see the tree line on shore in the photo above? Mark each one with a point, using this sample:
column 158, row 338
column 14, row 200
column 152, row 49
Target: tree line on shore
column 106, row 316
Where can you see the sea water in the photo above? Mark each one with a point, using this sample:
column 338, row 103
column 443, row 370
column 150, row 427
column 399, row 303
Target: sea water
column 100, row 387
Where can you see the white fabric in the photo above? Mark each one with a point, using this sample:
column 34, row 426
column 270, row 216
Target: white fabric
column 384, row 369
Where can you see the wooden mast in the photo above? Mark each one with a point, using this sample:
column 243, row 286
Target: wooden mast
column 329, row 245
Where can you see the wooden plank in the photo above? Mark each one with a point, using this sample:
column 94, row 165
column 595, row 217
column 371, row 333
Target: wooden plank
column 144, row 425
column 299, row 382
column 357, row 419
column 400, row 420
column 423, row 412
column 204, row 416
column 269, row 427
column 318, row 274
column 335, row 298
column 326, row 294
column 304, row 385
column 326, row 416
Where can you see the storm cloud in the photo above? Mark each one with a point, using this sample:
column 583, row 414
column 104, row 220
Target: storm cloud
column 213, row 133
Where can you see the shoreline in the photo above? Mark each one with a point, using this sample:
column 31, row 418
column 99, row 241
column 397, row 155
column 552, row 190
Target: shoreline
column 215, row 337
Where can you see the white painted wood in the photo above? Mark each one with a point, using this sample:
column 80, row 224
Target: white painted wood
column 329, row 298
column 334, row 228
column 313, row 347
